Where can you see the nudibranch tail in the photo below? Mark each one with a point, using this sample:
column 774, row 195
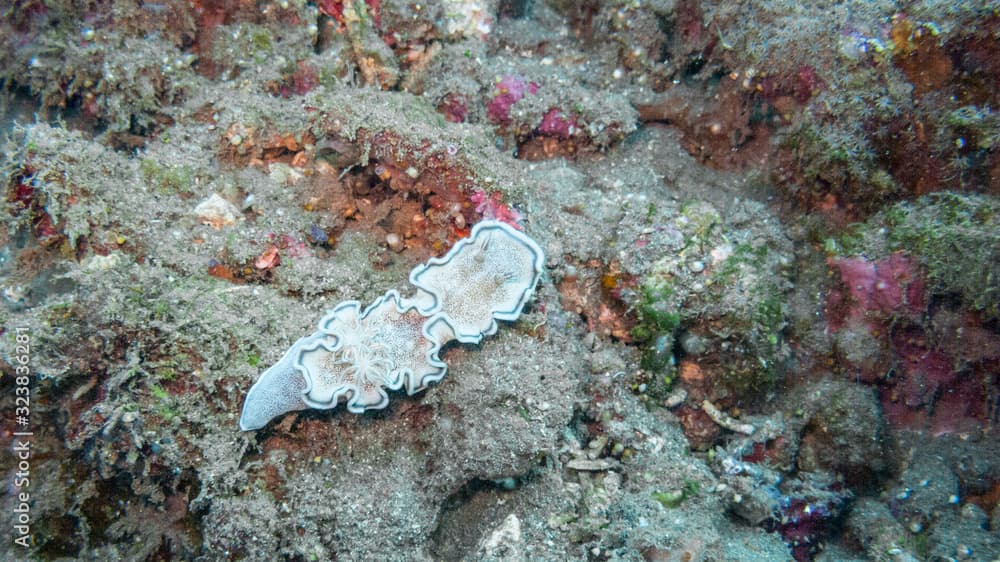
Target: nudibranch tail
column 356, row 355
column 277, row 391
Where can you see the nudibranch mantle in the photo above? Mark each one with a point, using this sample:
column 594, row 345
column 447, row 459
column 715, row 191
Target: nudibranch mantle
column 356, row 355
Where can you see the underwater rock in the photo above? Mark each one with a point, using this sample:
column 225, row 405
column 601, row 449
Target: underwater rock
column 883, row 538
column 803, row 509
column 394, row 342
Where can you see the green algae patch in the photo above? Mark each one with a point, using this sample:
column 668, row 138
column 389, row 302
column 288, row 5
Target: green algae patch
column 721, row 296
column 675, row 498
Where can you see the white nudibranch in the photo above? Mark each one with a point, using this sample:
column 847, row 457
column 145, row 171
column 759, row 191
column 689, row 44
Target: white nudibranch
column 356, row 355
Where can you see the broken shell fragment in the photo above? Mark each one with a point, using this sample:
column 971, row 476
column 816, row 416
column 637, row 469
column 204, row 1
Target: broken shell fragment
column 394, row 241
column 217, row 212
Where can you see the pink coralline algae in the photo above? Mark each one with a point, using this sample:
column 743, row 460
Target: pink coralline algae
column 302, row 81
column 492, row 207
column 890, row 286
column 454, row 107
column 559, row 124
column 925, row 371
column 922, row 383
column 269, row 259
column 807, row 83
column 335, row 9
column 293, row 246
column 928, row 392
column 289, row 245
column 509, row 90
column 281, row 244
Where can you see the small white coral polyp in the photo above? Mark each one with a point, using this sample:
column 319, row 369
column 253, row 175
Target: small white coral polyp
column 394, row 343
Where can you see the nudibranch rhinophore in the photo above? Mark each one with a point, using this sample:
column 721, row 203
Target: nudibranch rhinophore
column 357, row 354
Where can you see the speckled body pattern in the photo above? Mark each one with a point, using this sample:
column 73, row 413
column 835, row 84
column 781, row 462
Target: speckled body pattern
column 394, row 343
